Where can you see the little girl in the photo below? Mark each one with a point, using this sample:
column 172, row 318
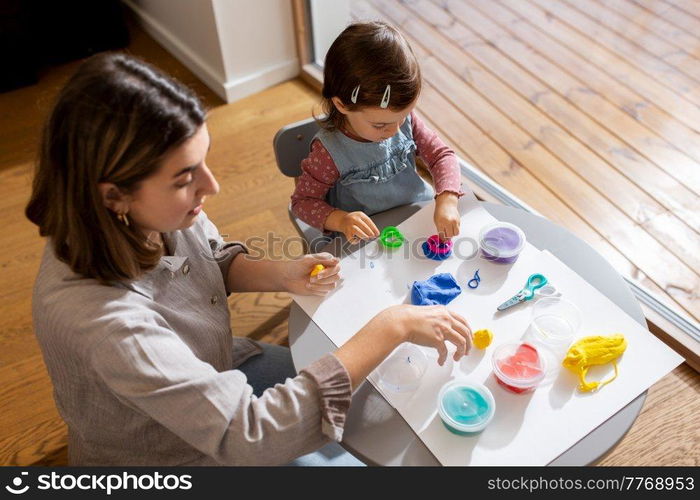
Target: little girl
column 363, row 160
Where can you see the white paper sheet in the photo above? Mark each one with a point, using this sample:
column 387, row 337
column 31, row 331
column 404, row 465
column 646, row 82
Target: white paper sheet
column 529, row 429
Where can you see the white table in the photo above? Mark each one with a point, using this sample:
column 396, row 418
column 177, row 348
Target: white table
column 377, row 434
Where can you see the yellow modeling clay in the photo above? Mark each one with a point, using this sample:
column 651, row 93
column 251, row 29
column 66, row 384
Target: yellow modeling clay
column 317, row 269
column 482, row 338
column 595, row 350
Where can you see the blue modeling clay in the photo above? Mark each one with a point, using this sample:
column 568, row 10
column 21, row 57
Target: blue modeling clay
column 438, row 289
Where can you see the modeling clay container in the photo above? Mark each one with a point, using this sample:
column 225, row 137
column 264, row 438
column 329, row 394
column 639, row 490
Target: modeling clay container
column 519, row 367
column 403, row 370
column 501, row 242
column 465, row 407
column 555, row 322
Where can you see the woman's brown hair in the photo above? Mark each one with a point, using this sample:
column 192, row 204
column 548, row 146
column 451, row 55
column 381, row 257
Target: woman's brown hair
column 371, row 55
column 114, row 121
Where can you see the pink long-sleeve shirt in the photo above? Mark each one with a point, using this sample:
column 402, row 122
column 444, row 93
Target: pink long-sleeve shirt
column 319, row 174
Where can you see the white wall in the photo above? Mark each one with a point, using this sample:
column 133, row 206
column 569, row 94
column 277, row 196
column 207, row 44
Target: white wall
column 236, row 47
column 328, row 20
column 258, row 44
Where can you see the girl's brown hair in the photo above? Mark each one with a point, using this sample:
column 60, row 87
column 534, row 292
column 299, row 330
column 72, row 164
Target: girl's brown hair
column 114, row 121
column 371, row 55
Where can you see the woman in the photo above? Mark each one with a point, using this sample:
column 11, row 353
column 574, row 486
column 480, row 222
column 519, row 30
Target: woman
column 130, row 302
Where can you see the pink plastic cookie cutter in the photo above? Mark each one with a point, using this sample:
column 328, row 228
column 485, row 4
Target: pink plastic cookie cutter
column 439, row 248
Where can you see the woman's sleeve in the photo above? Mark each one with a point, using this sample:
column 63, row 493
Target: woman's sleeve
column 441, row 161
column 318, row 175
column 149, row 368
column 223, row 252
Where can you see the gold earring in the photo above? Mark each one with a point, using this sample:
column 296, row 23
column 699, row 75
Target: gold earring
column 123, row 218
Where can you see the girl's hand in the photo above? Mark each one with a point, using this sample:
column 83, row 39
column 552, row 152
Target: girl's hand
column 429, row 326
column 358, row 226
column 296, row 274
column 446, row 215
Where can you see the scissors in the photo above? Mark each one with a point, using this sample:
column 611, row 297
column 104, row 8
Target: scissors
column 534, row 283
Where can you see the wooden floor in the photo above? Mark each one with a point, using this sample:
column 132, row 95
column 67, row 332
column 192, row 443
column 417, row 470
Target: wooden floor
column 587, row 111
column 253, row 202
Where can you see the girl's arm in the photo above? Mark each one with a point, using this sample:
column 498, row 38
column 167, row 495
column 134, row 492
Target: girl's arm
column 441, row 161
column 444, row 168
column 319, row 175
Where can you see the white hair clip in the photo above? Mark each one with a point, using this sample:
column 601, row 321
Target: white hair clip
column 353, row 96
column 385, row 98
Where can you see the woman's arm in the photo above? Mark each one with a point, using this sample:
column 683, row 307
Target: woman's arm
column 430, row 326
column 248, row 273
column 148, row 367
column 243, row 272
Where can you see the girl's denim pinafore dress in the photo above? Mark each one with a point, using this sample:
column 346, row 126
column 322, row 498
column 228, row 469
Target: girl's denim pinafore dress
column 375, row 176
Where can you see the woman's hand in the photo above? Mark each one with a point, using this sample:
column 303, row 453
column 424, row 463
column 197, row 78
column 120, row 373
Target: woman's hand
column 446, row 215
column 430, row 326
column 296, row 274
column 423, row 325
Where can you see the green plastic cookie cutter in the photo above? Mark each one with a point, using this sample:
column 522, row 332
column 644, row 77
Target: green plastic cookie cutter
column 391, row 237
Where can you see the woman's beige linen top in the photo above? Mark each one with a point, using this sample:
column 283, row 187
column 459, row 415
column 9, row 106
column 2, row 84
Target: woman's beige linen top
column 144, row 373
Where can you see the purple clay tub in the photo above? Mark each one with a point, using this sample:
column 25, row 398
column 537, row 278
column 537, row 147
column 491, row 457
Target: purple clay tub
column 501, row 242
